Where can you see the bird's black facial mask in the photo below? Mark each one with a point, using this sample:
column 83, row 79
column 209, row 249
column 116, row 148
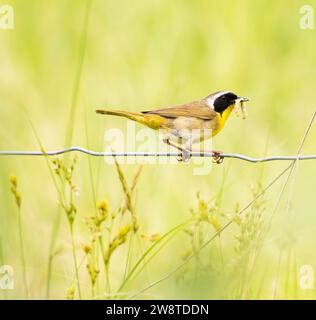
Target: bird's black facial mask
column 224, row 101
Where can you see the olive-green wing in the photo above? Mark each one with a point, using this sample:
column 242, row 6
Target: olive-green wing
column 197, row 109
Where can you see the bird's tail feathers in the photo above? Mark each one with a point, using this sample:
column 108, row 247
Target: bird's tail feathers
column 150, row 120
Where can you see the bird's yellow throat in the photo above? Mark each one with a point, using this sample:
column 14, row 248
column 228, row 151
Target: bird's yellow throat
column 222, row 118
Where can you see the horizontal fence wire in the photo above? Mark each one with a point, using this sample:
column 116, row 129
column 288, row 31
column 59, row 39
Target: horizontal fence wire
column 153, row 154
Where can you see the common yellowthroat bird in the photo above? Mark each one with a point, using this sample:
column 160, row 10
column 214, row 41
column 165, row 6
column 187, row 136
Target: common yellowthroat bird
column 190, row 122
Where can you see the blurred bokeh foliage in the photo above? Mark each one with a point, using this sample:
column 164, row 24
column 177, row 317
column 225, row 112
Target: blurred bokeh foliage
column 139, row 55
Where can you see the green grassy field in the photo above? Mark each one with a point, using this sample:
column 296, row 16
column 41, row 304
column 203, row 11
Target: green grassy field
column 93, row 230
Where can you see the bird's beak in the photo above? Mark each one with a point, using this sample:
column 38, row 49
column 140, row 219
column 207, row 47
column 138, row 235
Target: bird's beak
column 243, row 99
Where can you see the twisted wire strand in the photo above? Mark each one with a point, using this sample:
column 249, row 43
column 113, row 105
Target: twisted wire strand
column 152, row 154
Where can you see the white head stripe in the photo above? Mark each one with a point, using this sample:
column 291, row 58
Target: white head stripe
column 210, row 100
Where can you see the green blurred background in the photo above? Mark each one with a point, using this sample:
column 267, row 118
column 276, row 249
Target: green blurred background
column 144, row 54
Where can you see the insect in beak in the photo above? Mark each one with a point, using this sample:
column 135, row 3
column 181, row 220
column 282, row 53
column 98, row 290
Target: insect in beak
column 240, row 108
column 242, row 99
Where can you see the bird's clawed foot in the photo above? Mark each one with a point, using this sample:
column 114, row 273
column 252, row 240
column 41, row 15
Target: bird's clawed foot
column 217, row 156
column 185, row 156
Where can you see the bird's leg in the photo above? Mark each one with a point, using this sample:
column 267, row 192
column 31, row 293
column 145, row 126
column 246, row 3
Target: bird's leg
column 216, row 155
column 185, row 153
